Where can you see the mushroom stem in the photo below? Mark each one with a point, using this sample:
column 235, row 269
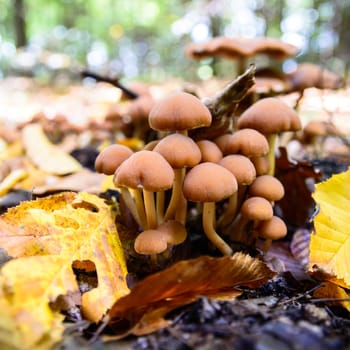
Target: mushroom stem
column 129, row 201
column 176, row 193
column 272, row 138
column 230, row 211
column 181, row 212
column 137, row 194
column 160, row 198
column 208, row 219
column 150, row 209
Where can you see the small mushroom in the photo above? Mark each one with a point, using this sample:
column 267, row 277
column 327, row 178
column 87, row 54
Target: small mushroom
column 210, row 151
column 149, row 172
column 110, row 158
column 271, row 230
column 253, row 210
column 181, row 152
column 244, row 171
column 208, row 183
column 150, row 242
column 270, row 116
column 268, row 187
column 179, row 112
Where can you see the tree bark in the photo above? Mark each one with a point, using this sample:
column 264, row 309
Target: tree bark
column 20, row 23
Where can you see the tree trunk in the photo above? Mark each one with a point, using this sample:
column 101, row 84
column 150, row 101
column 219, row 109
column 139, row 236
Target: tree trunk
column 20, row 23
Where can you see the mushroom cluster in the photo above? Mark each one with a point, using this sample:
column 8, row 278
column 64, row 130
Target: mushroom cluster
column 227, row 181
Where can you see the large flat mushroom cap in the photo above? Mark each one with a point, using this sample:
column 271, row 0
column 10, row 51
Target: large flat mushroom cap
column 179, row 111
column 145, row 169
column 209, row 182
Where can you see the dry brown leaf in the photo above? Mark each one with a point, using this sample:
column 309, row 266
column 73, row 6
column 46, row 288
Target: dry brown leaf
column 48, row 237
column 46, row 155
column 182, row 283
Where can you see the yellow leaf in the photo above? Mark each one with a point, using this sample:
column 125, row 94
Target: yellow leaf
column 46, row 155
column 48, row 237
column 330, row 242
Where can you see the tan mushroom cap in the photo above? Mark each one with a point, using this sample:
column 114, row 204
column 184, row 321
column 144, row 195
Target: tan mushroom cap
column 257, row 209
column 210, row 151
column 173, row 232
column 270, row 116
column 241, row 47
column 308, row 75
column 150, row 242
column 267, row 186
column 222, row 142
column 179, row 150
column 145, row 169
column 140, row 108
column 209, row 182
column 273, row 229
column 241, row 167
column 179, row 111
column 320, row 128
column 110, row 158
column 249, row 142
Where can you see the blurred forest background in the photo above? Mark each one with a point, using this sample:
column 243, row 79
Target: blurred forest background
column 139, row 39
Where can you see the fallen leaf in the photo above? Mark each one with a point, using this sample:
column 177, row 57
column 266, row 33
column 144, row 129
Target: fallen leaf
column 46, row 155
column 48, row 237
column 84, row 180
column 333, row 294
column 297, row 203
column 11, row 180
column 330, row 241
column 182, row 283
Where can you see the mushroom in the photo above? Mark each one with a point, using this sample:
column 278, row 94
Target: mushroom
column 268, row 187
column 181, row 152
column 150, row 242
column 253, row 210
column 179, row 112
column 316, row 131
column 270, row 116
column 241, row 49
column 110, row 158
column 208, row 183
column 210, row 151
column 147, row 171
column 244, row 171
column 271, row 230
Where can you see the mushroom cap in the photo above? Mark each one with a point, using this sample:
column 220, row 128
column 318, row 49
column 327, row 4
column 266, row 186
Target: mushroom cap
column 210, row 151
column 140, row 108
column 150, row 242
column 261, row 164
column 241, row 167
column 209, row 182
column 173, row 232
column 270, row 116
column 274, row 228
column 320, row 128
column 257, row 208
column 110, row 158
column 179, row 111
column 145, row 169
column 222, row 142
column 308, row 75
column 267, row 186
column 241, row 47
column 248, row 142
column 179, row 150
